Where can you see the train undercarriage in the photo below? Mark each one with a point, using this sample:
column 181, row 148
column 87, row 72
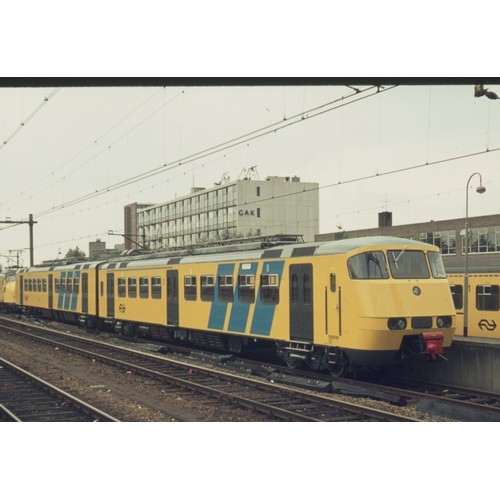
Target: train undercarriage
column 295, row 354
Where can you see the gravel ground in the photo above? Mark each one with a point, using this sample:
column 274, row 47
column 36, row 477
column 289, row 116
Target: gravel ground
column 120, row 393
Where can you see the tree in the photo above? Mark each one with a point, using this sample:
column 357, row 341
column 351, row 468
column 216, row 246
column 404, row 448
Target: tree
column 75, row 253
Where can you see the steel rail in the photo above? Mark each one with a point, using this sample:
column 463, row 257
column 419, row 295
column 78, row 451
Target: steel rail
column 80, row 404
column 10, row 416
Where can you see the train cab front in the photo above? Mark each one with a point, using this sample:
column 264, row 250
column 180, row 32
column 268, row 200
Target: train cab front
column 404, row 302
column 429, row 305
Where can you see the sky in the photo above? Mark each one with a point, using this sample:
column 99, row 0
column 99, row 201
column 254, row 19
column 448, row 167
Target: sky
column 371, row 149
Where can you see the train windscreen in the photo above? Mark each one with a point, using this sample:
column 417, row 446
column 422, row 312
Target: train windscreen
column 368, row 265
column 408, row 264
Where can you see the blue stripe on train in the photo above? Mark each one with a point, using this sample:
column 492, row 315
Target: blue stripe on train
column 218, row 310
column 60, row 300
column 239, row 311
column 74, row 296
column 67, row 295
column 263, row 314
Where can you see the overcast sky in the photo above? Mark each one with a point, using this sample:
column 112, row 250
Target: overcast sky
column 81, row 142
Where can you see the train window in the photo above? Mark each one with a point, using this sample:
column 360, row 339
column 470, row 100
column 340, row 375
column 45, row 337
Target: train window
column 269, row 289
column 57, row 285
column 69, row 285
column 25, row 285
column 306, row 288
column 76, row 283
column 294, row 295
column 207, row 288
column 246, row 288
column 44, row 285
column 368, row 266
column 156, row 287
column 190, row 287
column 487, row 297
column 408, row 264
column 122, row 287
column 102, row 288
column 437, row 266
column 62, row 286
column 30, row 285
column 39, row 285
column 132, row 288
column 143, row 287
column 226, row 293
column 333, row 282
column 457, row 292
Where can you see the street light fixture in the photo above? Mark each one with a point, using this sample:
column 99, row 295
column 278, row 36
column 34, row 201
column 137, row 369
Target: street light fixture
column 480, row 189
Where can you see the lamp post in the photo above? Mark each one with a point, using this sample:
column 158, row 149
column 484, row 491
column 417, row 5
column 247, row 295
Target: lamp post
column 480, row 189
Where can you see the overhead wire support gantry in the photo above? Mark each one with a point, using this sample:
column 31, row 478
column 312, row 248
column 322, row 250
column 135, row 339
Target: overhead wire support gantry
column 31, row 222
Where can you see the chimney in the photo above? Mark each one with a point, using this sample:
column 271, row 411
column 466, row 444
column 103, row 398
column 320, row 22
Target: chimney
column 385, row 219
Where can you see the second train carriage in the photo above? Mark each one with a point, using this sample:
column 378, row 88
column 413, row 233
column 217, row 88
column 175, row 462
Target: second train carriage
column 66, row 293
column 483, row 303
column 358, row 302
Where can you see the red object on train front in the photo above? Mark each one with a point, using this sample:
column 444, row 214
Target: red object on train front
column 433, row 343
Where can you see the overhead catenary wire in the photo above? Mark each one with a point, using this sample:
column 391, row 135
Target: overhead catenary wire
column 251, row 136
column 336, row 184
column 26, row 120
column 204, row 153
column 380, row 174
column 93, row 144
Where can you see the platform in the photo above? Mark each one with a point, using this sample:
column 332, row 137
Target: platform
column 472, row 362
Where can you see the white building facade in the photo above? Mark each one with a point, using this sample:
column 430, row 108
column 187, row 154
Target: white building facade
column 232, row 209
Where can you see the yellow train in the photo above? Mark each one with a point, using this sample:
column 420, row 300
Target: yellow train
column 332, row 306
column 8, row 291
column 483, row 303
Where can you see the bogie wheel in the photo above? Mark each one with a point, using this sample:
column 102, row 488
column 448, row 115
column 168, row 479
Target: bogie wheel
column 339, row 368
column 294, row 362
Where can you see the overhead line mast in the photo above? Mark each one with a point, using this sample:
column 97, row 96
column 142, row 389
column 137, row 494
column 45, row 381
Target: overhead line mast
column 30, row 221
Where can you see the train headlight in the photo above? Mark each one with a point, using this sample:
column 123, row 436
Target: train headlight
column 396, row 323
column 444, row 322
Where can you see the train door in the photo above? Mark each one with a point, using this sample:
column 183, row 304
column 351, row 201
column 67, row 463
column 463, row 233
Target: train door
column 172, row 297
column 85, row 293
column 110, row 294
column 51, row 292
column 301, row 302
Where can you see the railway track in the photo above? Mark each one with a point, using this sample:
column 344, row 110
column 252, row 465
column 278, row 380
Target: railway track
column 274, row 401
column 457, row 403
column 453, row 402
column 25, row 397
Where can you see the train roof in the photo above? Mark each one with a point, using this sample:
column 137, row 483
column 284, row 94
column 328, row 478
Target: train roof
column 278, row 252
